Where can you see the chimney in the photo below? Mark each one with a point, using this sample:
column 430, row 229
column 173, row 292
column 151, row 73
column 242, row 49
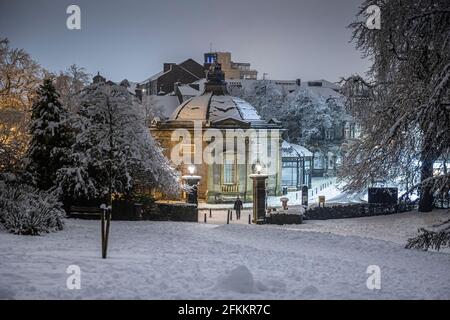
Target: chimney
column 167, row 66
column 175, row 87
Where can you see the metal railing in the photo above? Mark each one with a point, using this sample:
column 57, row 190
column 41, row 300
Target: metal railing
column 230, row 188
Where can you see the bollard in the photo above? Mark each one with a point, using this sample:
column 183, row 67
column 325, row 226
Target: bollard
column 210, row 213
column 249, row 219
column 228, row 217
column 205, row 217
column 231, row 215
column 102, row 224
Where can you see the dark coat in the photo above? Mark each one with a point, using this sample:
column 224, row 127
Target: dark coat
column 238, row 206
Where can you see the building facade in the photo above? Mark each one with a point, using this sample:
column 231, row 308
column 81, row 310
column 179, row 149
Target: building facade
column 187, row 134
column 232, row 70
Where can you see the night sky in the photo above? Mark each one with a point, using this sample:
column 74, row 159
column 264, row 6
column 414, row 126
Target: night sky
column 131, row 39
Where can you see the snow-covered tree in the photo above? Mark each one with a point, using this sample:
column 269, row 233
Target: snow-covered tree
column 307, row 116
column 114, row 150
column 153, row 108
column 19, row 79
column 404, row 104
column 69, row 84
column 435, row 239
column 51, row 137
column 305, row 113
column 265, row 96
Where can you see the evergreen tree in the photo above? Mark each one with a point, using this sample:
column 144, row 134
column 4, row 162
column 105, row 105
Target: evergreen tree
column 51, row 137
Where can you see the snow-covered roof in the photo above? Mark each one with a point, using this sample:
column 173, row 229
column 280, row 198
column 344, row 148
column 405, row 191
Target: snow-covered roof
column 153, row 77
column 294, row 150
column 132, row 88
column 166, row 104
column 327, row 84
column 209, row 106
column 188, row 91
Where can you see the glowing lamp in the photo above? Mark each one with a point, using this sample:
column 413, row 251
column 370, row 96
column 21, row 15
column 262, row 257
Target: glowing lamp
column 258, row 168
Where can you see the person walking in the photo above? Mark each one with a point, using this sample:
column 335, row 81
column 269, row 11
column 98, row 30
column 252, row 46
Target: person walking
column 238, row 206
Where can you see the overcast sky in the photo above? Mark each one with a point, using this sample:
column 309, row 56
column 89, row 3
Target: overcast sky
column 287, row 39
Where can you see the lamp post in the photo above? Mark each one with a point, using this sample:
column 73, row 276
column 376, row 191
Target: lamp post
column 192, row 181
column 259, row 194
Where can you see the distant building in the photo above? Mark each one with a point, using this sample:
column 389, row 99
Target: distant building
column 187, row 91
column 232, row 70
column 163, row 82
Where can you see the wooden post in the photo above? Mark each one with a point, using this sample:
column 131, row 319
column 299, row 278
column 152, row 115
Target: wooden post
column 108, row 223
column 228, row 217
column 205, row 217
column 103, row 232
column 210, row 213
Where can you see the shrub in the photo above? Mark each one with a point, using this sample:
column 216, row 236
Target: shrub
column 28, row 211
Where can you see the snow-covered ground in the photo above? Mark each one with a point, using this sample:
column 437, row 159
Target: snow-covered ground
column 167, row 260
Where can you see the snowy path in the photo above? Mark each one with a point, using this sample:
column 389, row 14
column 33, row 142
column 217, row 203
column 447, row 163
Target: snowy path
column 160, row 260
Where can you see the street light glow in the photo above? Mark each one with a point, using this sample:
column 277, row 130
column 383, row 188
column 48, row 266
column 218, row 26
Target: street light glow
column 258, row 168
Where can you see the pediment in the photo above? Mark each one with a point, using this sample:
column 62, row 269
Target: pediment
column 231, row 122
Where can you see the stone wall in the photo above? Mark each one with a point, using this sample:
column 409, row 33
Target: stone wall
column 284, row 218
column 174, row 211
column 154, row 211
column 352, row 211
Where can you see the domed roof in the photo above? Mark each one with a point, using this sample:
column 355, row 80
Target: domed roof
column 218, row 108
column 212, row 107
column 215, row 104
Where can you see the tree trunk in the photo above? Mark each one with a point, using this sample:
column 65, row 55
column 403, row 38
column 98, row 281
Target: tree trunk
column 426, row 196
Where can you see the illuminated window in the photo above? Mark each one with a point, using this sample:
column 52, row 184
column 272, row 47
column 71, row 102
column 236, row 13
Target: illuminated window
column 229, row 171
column 188, row 148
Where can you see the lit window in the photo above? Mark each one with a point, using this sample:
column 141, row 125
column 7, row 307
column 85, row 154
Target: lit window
column 188, row 148
column 229, row 171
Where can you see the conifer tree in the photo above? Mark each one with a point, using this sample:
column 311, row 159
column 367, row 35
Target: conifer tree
column 51, row 137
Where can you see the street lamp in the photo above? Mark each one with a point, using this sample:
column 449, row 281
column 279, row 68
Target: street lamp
column 192, row 181
column 259, row 194
column 258, row 167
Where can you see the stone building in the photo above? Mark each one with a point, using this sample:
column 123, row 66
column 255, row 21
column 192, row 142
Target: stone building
column 247, row 140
